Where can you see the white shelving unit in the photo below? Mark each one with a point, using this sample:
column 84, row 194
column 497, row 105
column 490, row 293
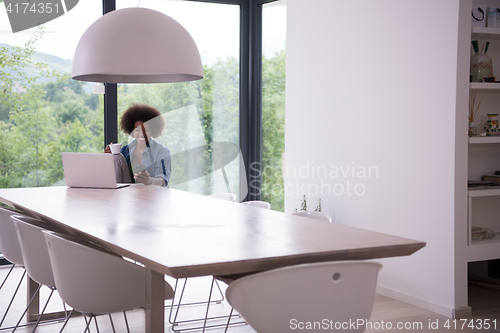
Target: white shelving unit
column 484, row 249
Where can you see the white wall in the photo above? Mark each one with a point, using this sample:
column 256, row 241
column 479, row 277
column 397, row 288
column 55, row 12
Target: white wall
column 372, row 83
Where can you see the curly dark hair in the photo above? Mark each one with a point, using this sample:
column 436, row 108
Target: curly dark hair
column 142, row 112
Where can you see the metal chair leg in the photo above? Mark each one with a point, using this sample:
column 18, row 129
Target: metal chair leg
column 37, row 291
column 26, row 310
column 12, row 299
column 206, row 319
column 174, row 322
column 179, row 304
column 45, row 307
column 112, row 324
column 7, row 276
column 67, row 319
column 65, row 310
column 126, row 321
column 96, row 326
column 229, row 319
column 208, row 305
column 172, row 305
column 87, row 328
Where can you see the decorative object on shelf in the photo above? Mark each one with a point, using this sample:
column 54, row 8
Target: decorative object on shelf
column 136, row 45
column 303, row 205
column 472, row 129
column 480, row 63
column 319, row 206
column 479, row 233
column 473, row 112
column 492, row 178
column 491, row 125
column 478, row 16
column 493, row 17
column 481, row 185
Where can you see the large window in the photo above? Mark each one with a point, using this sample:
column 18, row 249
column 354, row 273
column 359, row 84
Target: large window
column 273, row 102
column 198, row 113
column 43, row 112
column 42, row 117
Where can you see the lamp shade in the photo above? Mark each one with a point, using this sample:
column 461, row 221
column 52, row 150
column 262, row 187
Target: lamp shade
column 136, row 45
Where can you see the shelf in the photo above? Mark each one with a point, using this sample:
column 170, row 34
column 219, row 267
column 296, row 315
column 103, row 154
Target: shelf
column 495, row 240
column 485, row 86
column 483, row 250
column 485, row 33
column 484, row 140
column 483, row 192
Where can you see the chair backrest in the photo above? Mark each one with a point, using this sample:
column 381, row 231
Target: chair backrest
column 9, row 243
column 94, row 281
column 280, row 299
column 224, row 196
column 258, row 203
column 34, row 248
column 315, row 215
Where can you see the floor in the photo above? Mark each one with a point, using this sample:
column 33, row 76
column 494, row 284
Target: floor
column 388, row 315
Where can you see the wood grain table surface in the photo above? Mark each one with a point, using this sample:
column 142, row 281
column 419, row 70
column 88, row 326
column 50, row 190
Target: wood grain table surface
column 183, row 234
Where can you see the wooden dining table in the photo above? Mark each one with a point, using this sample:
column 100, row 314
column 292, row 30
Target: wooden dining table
column 182, row 234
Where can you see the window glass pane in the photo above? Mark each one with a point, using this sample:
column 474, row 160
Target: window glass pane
column 198, row 114
column 273, row 102
column 41, row 118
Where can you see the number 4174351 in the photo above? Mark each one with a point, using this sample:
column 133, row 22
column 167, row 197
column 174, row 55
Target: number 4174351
column 471, row 324
column 26, row 7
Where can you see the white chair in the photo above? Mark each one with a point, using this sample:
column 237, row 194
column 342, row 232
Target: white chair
column 280, row 299
column 36, row 256
column 224, row 196
column 11, row 250
column 95, row 281
column 258, row 203
column 315, row 215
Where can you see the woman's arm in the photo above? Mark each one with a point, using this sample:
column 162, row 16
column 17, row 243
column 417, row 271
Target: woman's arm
column 162, row 169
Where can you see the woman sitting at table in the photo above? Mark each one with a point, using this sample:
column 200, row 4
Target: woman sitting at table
column 144, row 159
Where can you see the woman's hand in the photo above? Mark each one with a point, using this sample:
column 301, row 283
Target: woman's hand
column 107, row 149
column 143, row 177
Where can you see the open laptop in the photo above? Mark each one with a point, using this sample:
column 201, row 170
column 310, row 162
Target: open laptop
column 93, row 170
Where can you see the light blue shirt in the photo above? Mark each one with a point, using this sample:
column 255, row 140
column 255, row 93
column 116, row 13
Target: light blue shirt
column 156, row 158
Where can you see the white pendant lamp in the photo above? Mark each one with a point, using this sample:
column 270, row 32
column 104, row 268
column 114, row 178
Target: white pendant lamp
column 136, row 45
